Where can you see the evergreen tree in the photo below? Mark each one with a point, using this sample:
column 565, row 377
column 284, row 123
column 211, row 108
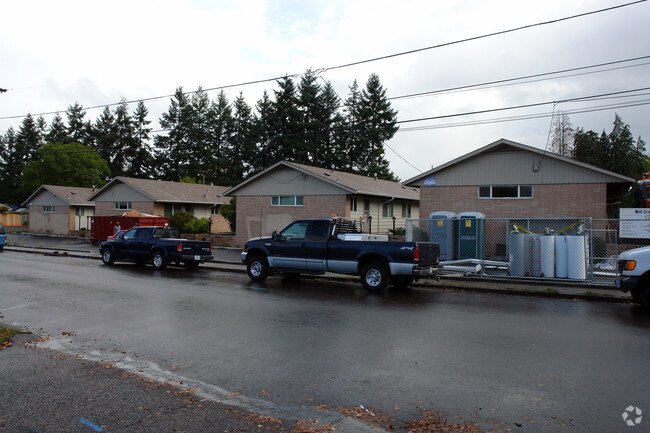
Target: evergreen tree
column 616, row 151
column 354, row 142
column 57, row 133
column 77, row 130
column 104, row 138
column 310, row 105
column 125, row 146
column 285, row 135
column 174, row 149
column 377, row 122
column 41, row 126
column 242, row 151
column 216, row 163
column 266, row 154
column 141, row 165
column 21, row 149
column 331, row 144
column 9, row 167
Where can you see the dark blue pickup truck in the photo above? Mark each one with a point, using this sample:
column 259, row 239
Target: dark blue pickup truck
column 156, row 244
column 336, row 245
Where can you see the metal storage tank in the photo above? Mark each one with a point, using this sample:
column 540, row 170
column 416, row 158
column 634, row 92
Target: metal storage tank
column 471, row 235
column 443, row 231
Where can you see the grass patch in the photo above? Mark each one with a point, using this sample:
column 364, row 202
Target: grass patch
column 5, row 336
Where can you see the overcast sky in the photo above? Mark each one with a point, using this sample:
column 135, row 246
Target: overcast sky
column 56, row 53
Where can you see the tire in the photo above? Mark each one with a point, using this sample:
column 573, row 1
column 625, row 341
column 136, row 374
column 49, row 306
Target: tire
column 159, row 260
column 257, row 268
column 402, row 281
column 374, row 277
column 108, row 258
column 645, row 298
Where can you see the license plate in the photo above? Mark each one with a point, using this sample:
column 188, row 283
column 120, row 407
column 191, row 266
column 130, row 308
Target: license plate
column 197, row 257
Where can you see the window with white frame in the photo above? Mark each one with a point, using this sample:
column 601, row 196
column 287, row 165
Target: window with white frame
column 286, row 200
column 48, row 209
column 122, row 205
column 505, row 191
column 387, row 210
column 214, row 210
column 353, row 204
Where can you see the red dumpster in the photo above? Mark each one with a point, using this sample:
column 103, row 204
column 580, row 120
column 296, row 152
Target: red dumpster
column 104, row 226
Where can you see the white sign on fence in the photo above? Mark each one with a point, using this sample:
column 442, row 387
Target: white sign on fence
column 635, row 223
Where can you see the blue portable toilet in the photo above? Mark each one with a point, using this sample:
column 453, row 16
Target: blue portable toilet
column 443, row 231
column 471, row 236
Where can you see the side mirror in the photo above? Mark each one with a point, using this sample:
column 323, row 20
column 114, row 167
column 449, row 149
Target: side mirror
column 121, row 236
column 274, row 235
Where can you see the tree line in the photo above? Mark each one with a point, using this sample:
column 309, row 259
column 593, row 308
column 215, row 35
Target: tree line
column 616, row 151
column 203, row 140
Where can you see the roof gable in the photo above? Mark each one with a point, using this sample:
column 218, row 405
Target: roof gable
column 506, row 152
column 71, row 195
column 348, row 183
column 169, row 192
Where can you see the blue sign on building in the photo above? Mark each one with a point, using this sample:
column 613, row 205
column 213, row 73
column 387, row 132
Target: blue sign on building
column 430, row 181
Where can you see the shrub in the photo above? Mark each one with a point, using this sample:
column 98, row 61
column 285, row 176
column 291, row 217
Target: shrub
column 200, row 225
column 180, row 219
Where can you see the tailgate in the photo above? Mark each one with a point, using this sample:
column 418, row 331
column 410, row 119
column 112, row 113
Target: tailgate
column 429, row 253
column 196, row 247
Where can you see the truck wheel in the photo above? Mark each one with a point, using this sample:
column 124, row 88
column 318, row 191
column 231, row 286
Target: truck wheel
column 374, row 277
column 108, row 257
column 159, row 261
column 645, row 298
column 257, row 269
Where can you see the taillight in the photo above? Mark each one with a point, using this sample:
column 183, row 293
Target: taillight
column 179, row 247
column 416, row 254
column 210, row 247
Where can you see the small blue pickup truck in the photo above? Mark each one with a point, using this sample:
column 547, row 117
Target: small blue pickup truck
column 157, row 245
column 337, row 245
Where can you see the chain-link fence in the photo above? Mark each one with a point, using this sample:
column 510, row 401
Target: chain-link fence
column 569, row 249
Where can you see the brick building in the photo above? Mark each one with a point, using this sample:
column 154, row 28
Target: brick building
column 288, row 191
column 510, row 180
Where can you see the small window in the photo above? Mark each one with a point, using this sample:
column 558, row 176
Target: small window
column 406, row 210
column 505, row 191
column 80, row 211
column 48, row 209
column 387, row 210
column 214, row 210
column 353, row 204
column 286, row 200
column 122, row 205
column 525, row 191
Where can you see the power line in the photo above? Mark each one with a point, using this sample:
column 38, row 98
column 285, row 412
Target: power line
column 474, row 38
column 322, row 70
column 526, row 77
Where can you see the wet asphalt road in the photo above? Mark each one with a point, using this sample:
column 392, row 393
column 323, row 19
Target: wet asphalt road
column 522, row 363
